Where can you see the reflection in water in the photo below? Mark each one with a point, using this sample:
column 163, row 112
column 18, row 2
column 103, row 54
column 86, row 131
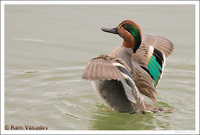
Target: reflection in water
column 112, row 120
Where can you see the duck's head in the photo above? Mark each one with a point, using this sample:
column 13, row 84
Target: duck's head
column 130, row 32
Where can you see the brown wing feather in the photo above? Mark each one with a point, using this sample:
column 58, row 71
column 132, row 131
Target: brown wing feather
column 141, row 74
column 143, row 81
column 102, row 68
column 160, row 43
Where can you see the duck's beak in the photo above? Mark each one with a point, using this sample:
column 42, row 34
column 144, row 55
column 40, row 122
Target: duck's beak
column 110, row 30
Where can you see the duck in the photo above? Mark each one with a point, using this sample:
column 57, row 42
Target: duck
column 132, row 70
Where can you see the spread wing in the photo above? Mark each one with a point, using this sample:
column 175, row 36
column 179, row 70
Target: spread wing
column 148, row 62
column 106, row 67
column 159, row 42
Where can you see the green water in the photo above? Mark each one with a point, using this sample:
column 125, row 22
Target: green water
column 48, row 47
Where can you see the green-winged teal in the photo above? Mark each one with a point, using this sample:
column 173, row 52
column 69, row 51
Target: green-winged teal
column 131, row 69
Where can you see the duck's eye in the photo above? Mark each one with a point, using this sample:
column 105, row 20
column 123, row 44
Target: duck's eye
column 125, row 27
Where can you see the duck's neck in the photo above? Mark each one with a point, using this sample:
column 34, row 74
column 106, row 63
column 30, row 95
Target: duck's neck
column 128, row 44
column 134, row 44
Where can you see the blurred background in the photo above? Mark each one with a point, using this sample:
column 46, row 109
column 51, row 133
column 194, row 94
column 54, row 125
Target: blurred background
column 48, row 46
